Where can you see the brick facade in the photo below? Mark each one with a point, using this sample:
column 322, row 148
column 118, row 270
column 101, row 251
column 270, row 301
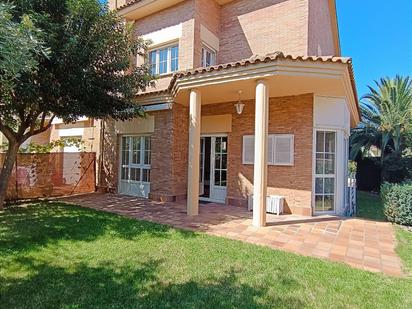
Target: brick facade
column 244, row 28
column 287, row 115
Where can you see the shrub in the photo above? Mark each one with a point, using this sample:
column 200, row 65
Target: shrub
column 397, row 201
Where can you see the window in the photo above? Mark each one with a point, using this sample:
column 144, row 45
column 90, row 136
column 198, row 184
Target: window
column 280, row 149
column 135, row 156
column 164, row 60
column 325, row 168
column 208, row 57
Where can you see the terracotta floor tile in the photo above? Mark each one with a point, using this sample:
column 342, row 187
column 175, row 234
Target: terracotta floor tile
column 359, row 243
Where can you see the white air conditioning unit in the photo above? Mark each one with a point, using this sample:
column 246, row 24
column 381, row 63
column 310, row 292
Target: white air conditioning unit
column 274, row 204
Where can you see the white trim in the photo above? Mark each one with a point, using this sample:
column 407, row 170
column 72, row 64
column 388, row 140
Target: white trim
column 157, row 50
column 336, row 194
column 141, row 166
column 213, row 55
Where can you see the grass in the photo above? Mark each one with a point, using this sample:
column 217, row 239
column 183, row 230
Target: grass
column 370, row 206
column 58, row 256
column 404, row 248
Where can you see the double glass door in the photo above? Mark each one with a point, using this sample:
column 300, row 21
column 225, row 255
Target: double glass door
column 213, row 168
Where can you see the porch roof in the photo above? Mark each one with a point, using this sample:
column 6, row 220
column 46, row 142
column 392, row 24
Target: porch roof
column 253, row 62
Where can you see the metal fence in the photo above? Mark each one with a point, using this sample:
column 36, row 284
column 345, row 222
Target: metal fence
column 51, row 175
column 351, row 198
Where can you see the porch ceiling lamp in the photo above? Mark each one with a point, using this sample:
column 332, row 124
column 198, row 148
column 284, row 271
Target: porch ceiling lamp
column 239, row 105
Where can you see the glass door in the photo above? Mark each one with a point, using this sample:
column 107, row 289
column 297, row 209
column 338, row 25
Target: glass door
column 325, row 172
column 135, row 166
column 218, row 175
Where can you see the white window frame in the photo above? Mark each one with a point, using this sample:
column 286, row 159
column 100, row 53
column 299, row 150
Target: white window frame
column 213, row 55
column 323, row 176
column 272, row 155
column 142, row 166
column 169, row 58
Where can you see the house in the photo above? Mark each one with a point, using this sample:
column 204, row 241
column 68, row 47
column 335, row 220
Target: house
column 253, row 98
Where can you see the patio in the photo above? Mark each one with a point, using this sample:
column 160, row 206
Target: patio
column 360, row 243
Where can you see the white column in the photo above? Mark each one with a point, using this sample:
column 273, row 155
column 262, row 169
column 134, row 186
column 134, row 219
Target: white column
column 194, row 153
column 261, row 160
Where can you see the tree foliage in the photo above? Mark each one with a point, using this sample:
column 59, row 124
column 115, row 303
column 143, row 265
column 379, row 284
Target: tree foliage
column 386, row 122
column 75, row 58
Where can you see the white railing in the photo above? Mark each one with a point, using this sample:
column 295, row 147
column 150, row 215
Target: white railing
column 351, row 199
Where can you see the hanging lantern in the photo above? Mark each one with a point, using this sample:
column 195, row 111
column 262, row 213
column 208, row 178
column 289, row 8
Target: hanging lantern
column 239, row 105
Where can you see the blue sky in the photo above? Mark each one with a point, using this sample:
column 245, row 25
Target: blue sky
column 377, row 34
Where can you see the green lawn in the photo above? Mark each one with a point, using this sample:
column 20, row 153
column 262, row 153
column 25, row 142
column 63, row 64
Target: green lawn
column 58, row 256
column 370, row 206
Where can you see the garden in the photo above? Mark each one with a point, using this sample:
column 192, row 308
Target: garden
column 62, row 256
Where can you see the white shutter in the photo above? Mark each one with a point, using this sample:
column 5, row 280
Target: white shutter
column 284, row 150
column 248, row 149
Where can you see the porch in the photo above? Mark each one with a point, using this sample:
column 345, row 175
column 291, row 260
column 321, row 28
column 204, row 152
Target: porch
column 283, row 104
column 360, row 243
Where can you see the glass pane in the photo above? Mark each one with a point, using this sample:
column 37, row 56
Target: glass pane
column 147, row 143
column 124, row 175
column 224, row 145
column 329, row 185
column 146, row 175
column 223, row 177
column 163, row 61
column 175, row 59
column 217, row 178
column 329, row 164
column 329, row 203
column 320, row 164
column 330, row 142
column 224, row 162
column 218, row 162
column 320, row 139
column 319, row 185
column 152, row 57
column 218, row 145
column 318, row 203
column 147, row 157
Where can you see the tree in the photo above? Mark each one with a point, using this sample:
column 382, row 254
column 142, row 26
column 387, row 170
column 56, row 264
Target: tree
column 76, row 59
column 386, row 121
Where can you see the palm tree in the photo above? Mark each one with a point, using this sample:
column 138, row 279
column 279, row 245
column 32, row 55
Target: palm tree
column 386, row 119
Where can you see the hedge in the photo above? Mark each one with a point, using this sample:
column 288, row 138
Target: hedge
column 397, row 201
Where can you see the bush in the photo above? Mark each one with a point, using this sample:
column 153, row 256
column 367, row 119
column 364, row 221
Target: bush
column 397, row 201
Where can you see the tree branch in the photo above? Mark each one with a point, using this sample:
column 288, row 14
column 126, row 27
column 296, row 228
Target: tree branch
column 8, row 132
column 42, row 128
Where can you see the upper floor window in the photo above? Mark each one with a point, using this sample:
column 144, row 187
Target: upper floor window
column 164, row 60
column 208, row 57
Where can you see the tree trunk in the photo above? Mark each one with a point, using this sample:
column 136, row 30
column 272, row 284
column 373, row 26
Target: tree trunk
column 7, row 170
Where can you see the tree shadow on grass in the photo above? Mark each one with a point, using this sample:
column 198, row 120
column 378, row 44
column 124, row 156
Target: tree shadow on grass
column 26, row 228
column 140, row 286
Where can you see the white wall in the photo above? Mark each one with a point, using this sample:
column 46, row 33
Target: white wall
column 332, row 114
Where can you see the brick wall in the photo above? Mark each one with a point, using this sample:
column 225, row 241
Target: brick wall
column 207, row 15
column 288, row 115
column 261, row 27
column 320, row 29
column 168, row 158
